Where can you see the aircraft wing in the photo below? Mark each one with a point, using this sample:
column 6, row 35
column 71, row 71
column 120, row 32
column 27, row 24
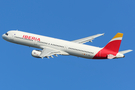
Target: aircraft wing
column 87, row 39
column 48, row 52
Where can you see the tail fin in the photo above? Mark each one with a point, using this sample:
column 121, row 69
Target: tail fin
column 111, row 50
column 115, row 42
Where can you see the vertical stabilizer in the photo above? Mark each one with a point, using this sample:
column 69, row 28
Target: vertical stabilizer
column 115, row 42
column 111, row 49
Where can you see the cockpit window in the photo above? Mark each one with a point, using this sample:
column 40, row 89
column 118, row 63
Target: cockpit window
column 6, row 34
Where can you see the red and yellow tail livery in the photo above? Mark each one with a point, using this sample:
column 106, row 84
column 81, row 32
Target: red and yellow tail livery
column 111, row 49
column 115, row 42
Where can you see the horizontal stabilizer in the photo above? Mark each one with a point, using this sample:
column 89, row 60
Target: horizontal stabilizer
column 125, row 51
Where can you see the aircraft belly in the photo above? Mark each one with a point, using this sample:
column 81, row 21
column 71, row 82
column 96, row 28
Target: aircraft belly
column 81, row 54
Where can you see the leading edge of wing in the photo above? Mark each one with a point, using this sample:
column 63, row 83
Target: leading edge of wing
column 87, row 39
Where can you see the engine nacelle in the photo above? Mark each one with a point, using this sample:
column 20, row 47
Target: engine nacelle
column 36, row 53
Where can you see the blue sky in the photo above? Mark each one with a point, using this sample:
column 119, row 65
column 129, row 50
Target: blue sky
column 68, row 20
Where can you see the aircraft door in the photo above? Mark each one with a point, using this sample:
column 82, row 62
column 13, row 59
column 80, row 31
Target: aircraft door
column 11, row 35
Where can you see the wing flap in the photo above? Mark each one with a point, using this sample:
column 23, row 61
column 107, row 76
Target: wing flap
column 48, row 52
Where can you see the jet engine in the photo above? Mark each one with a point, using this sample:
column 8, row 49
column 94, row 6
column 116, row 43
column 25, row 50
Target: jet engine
column 36, row 53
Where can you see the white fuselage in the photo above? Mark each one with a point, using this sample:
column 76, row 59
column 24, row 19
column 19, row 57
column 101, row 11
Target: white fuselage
column 39, row 41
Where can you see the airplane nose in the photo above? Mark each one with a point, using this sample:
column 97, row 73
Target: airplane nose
column 4, row 36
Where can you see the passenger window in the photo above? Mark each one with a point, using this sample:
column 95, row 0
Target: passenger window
column 6, row 34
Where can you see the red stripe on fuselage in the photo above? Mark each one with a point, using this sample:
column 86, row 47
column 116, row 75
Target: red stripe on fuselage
column 111, row 48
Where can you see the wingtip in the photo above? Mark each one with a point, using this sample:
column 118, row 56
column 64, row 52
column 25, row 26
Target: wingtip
column 131, row 50
column 103, row 34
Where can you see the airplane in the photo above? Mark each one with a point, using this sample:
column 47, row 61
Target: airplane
column 52, row 46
